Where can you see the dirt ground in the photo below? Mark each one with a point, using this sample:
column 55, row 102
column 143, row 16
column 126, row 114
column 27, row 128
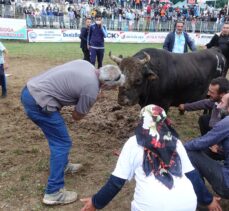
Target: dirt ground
column 24, row 152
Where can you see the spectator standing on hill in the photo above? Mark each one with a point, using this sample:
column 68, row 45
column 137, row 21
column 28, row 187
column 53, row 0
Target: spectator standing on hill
column 43, row 16
column 50, row 15
column 56, row 12
column 83, row 37
column 97, row 33
column 76, row 83
column 3, row 66
column 61, row 17
column 71, row 16
column 178, row 41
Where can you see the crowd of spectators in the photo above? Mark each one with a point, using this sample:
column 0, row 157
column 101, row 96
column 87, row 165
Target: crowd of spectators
column 127, row 15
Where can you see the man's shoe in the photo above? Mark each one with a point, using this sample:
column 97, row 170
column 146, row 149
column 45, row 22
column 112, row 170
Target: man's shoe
column 60, row 197
column 72, row 168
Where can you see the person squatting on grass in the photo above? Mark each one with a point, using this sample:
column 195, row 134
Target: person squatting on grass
column 74, row 83
column 216, row 90
column 216, row 173
column 3, row 66
column 165, row 177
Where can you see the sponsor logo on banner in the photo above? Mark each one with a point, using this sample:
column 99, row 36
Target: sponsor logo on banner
column 13, row 29
column 53, row 35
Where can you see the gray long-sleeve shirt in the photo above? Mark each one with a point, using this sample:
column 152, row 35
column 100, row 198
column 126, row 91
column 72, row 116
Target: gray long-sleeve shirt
column 205, row 104
column 73, row 83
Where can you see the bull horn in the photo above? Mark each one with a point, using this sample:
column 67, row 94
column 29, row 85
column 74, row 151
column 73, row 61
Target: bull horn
column 115, row 58
column 146, row 59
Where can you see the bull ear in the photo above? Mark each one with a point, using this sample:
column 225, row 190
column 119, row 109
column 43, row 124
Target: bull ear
column 146, row 59
column 150, row 75
column 116, row 59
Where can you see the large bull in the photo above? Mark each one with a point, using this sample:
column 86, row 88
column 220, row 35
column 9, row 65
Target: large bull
column 155, row 76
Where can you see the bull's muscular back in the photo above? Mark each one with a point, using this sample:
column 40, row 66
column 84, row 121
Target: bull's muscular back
column 181, row 77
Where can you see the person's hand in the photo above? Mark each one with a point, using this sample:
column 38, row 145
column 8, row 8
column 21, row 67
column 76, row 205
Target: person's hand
column 203, row 46
column 88, row 205
column 181, row 108
column 215, row 206
column 6, row 66
column 214, row 148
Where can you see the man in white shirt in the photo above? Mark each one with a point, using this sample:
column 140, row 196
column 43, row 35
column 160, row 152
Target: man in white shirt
column 178, row 41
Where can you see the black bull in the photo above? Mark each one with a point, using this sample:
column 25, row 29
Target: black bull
column 155, row 76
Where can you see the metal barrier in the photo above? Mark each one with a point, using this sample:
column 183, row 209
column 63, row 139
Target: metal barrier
column 143, row 24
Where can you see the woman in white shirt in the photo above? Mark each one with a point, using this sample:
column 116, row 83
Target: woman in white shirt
column 162, row 170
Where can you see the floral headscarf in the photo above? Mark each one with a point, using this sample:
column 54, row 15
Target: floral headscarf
column 155, row 134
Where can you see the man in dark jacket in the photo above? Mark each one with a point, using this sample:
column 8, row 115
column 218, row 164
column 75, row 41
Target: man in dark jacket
column 96, row 35
column 83, row 37
column 178, row 41
column 221, row 41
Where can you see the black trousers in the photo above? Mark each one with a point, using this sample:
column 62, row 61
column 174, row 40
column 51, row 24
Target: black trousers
column 204, row 123
column 86, row 54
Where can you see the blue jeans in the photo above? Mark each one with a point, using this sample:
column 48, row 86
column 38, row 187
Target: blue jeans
column 3, row 80
column 53, row 126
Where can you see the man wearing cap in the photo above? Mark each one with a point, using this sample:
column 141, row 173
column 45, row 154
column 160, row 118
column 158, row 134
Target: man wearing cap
column 74, row 83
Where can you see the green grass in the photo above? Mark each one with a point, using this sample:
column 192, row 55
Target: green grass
column 68, row 51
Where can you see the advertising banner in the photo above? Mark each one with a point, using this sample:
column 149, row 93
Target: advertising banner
column 69, row 35
column 14, row 29
column 53, row 35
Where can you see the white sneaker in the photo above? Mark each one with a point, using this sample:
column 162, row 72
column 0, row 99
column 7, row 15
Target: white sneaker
column 72, row 168
column 60, row 197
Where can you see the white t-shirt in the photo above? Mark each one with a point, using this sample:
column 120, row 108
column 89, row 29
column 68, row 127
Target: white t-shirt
column 150, row 194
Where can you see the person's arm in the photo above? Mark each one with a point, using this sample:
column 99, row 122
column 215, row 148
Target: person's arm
column 104, row 30
column 166, row 42
column 6, row 63
column 83, row 33
column 89, row 36
column 104, row 195
column 204, row 197
column 218, row 133
column 190, row 43
column 213, row 41
column 198, row 105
